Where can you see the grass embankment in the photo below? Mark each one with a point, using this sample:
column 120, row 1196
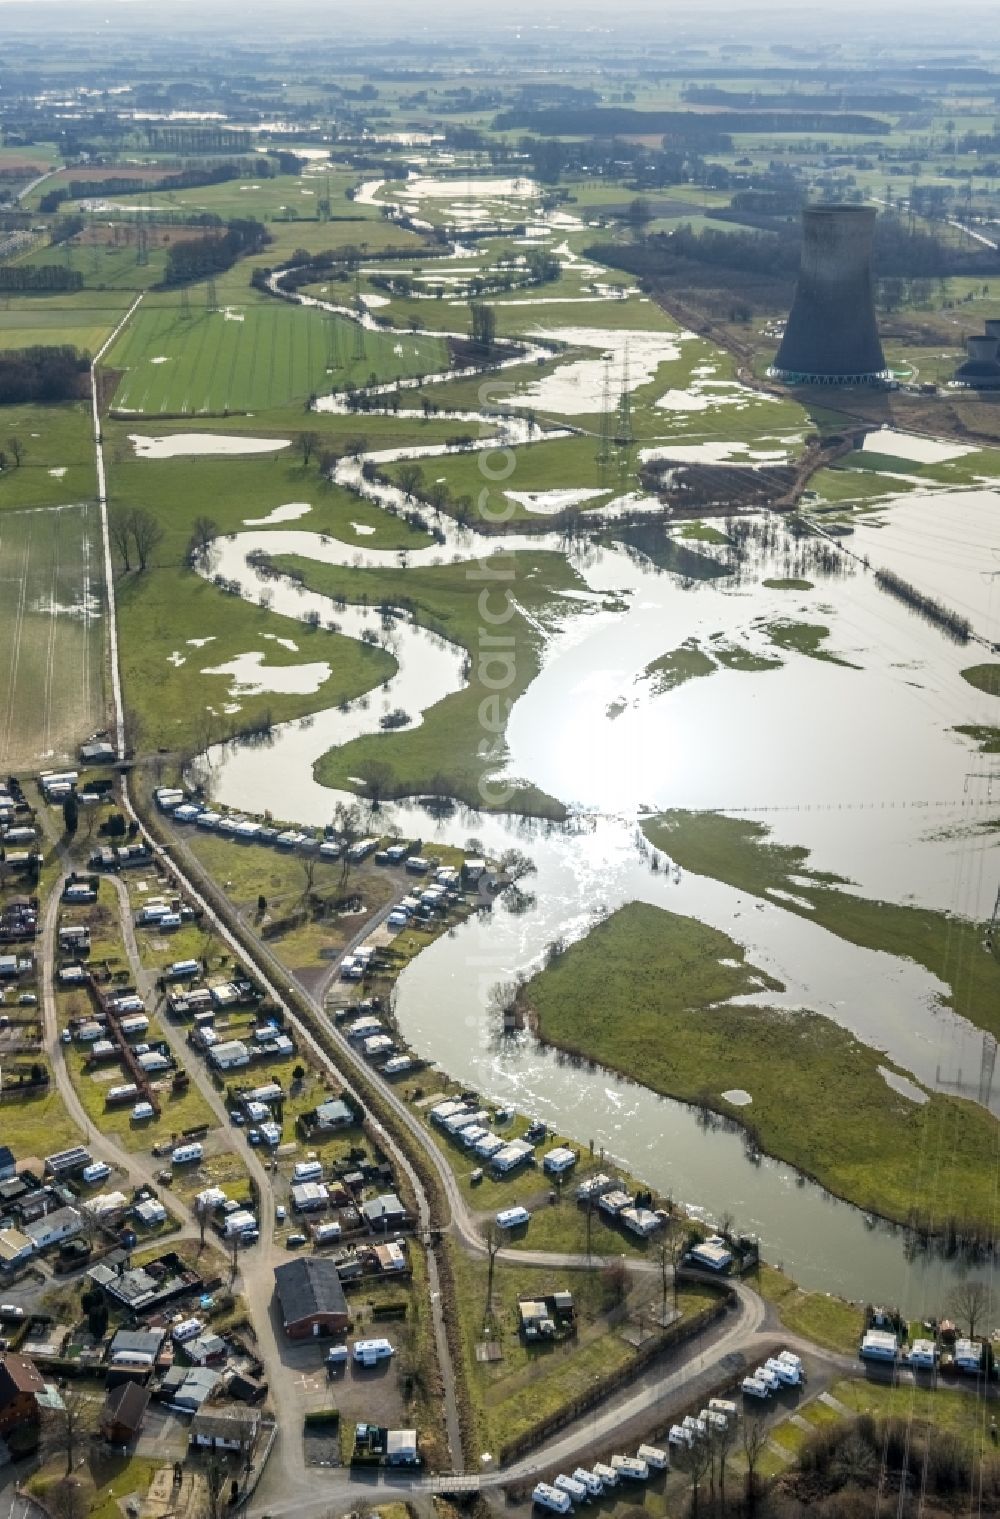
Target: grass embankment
column 453, row 751
column 647, row 993
column 737, row 851
column 540, row 464
column 805, row 638
column 986, row 739
column 984, row 678
column 690, row 661
column 826, row 1320
column 673, row 669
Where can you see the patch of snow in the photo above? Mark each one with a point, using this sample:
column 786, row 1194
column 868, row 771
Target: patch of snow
column 363, row 529
column 290, row 512
column 182, row 444
column 548, row 502
column 251, row 676
column 913, row 447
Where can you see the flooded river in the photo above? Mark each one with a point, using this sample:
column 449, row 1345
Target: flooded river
column 853, row 759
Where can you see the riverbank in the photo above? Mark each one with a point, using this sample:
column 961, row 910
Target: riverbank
column 662, row 1000
column 738, row 852
column 459, row 750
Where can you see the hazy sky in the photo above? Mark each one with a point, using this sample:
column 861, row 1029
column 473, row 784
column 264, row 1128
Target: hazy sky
column 961, row 25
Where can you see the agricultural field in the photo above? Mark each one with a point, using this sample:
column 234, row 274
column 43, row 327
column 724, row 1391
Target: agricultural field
column 83, row 319
column 263, row 353
column 57, row 456
column 52, row 685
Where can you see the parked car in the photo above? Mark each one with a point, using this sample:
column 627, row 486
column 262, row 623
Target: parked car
column 28, row 999
column 279, row 1213
column 294, row 1241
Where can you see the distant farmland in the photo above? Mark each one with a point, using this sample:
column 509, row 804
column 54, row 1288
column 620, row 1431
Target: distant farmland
column 265, row 354
column 51, row 634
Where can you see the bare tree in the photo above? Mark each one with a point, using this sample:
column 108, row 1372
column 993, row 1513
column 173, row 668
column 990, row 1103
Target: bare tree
column 347, row 823
column 66, row 1499
column 65, row 1429
column 234, row 1258
column 411, row 478
column 147, row 534
column 308, row 863
column 120, row 533
column 754, row 1445
column 308, row 441
column 377, row 778
column 15, row 447
column 696, row 1461
column 201, row 1214
column 970, row 1303
column 492, row 1241
column 723, row 1440
column 515, row 865
column 204, row 531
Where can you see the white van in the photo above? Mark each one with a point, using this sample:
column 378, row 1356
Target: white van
column 307, row 1170
column 96, row 1172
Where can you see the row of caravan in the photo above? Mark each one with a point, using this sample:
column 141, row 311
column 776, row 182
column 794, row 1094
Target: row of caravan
column 719, row 1414
column 585, row 1483
column 784, row 1370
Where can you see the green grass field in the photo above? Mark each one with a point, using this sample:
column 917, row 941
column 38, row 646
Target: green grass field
column 57, row 466
column 181, row 708
column 263, row 353
column 81, row 319
column 649, row 993
column 51, row 633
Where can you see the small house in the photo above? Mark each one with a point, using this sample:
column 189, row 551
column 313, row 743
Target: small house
column 21, row 1386
column 234, row 1429
column 123, row 1413
column 384, row 1213
column 401, row 1447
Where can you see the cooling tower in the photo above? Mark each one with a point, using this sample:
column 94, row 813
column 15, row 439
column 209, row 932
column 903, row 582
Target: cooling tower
column 831, row 337
column 981, row 369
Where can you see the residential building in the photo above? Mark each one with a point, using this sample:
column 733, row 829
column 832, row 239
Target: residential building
column 233, row 1429
column 384, row 1213
column 21, row 1386
column 123, row 1412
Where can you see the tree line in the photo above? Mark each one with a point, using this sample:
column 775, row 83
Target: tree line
column 41, row 374
column 39, row 277
column 195, row 258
